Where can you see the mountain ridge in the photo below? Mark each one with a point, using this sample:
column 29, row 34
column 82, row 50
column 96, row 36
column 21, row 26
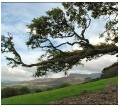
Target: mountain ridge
column 92, row 75
column 47, row 82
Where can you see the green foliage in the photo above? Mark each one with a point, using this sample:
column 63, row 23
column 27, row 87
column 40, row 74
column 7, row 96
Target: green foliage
column 48, row 96
column 9, row 92
column 88, row 79
column 66, row 61
column 24, row 90
column 39, row 90
column 103, row 45
column 63, row 85
column 111, row 71
column 50, row 88
column 95, row 79
column 59, row 24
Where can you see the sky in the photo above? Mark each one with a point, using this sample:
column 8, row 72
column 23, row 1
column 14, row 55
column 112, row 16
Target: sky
column 15, row 17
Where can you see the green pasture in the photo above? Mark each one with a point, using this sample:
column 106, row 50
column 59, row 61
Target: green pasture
column 44, row 98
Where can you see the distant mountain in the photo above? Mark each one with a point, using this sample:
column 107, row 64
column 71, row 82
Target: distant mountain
column 44, row 83
column 93, row 75
column 73, row 78
column 9, row 83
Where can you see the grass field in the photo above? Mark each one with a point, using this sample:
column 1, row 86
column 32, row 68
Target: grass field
column 43, row 98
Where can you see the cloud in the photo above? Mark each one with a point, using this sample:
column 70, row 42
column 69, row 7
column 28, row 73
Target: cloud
column 96, row 40
column 14, row 21
column 31, row 56
column 94, row 66
column 15, row 17
column 22, row 73
column 15, row 74
column 28, row 57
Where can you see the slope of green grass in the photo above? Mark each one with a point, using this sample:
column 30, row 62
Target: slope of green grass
column 48, row 96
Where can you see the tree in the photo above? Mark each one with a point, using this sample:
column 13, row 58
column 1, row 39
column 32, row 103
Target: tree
column 38, row 90
column 110, row 71
column 64, row 85
column 9, row 92
column 24, row 90
column 62, row 24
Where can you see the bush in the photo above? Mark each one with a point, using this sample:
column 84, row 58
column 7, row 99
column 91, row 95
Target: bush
column 63, row 85
column 9, row 92
column 50, row 88
column 110, row 71
column 95, row 79
column 88, row 79
column 24, row 90
column 38, row 90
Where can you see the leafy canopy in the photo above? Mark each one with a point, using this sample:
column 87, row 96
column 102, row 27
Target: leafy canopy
column 62, row 24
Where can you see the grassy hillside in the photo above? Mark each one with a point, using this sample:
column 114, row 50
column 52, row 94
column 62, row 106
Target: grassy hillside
column 48, row 96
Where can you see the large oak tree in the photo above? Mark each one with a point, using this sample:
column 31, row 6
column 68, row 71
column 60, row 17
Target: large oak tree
column 62, row 24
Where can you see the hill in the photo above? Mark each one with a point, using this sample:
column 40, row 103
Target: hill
column 43, row 83
column 110, row 71
column 73, row 78
column 49, row 96
column 8, row 83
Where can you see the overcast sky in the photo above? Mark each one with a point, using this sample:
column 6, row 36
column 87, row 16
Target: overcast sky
column 15, row 17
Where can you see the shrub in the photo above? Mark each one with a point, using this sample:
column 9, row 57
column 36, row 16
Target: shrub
column 95, row 79
column 63, row 85
column 24, row 90
column 39, row 90
column 110, row 71
column 88, row 79
column 9, row 92
column 50, row 88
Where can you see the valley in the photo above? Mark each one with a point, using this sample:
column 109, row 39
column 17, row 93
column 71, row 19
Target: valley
column 72, row 79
